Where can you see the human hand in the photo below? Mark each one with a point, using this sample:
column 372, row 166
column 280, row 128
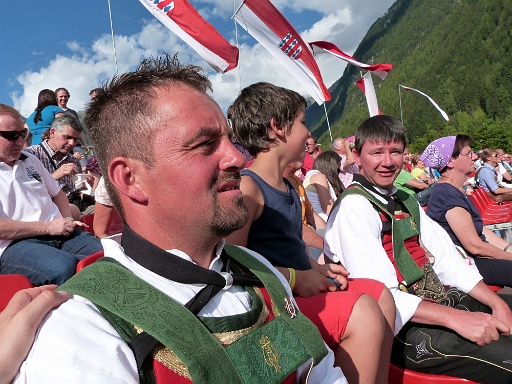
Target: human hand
column 65, row 170
column 478, row 327
column 61, row 227
column 504, row 314
column 90, row 179
column 78, row 155
column 322, row 278
column 19, row 322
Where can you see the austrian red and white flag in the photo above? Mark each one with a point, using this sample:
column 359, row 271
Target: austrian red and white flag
column 365, row 84
column 267, row 25
column 443, row 113
column 183, row 20
column 381, row 70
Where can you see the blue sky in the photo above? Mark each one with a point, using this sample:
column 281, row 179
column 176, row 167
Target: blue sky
column 50, row 44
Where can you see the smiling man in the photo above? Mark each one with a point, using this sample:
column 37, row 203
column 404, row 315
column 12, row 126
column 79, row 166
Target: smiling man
column 374, row 231
column 173, row 303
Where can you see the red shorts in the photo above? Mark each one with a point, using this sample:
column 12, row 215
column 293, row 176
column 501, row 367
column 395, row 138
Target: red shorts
column 331, row 311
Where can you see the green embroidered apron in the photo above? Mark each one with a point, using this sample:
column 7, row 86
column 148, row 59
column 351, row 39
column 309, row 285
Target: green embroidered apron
column 267, row 354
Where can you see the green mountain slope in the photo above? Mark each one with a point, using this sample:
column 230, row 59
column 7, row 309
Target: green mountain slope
column 456, row 51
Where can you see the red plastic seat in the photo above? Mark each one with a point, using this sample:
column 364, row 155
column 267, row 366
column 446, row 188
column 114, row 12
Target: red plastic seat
column 88, row 260
column 491, row 212
column 9, row 285
column 398, row 375
column 88, row 220
column 115, row 223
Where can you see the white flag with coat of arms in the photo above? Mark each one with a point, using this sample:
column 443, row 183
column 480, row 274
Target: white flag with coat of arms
column 265, row 23
column 184, row 21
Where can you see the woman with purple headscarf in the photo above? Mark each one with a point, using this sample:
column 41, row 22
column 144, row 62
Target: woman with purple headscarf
column 455, row 212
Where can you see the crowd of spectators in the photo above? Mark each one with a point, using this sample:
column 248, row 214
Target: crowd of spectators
column 246, row 224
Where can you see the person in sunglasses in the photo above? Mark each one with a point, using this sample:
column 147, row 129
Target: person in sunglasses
column 38, row 237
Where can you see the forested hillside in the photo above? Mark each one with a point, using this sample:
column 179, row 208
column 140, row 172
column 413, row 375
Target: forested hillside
column 457, row 51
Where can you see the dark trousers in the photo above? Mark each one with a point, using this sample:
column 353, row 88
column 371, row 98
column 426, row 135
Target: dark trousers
column 495, row 271
column 434, row 349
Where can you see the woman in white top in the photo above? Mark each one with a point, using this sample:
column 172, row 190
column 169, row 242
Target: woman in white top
column 322, row 183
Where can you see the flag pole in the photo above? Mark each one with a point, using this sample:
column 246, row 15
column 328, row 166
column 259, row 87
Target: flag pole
column 400, row 97
column 112, row 31
column 327, row 119
column 235, row 10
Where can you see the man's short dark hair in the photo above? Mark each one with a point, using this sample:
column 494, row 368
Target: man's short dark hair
column 256, row 106
column 380, row 128
column 486, row 154
column 122, row 119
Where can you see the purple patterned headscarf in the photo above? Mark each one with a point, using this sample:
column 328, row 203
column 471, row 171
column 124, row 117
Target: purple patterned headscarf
column 438, row 153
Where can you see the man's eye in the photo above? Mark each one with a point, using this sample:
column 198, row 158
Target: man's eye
column 208, row 144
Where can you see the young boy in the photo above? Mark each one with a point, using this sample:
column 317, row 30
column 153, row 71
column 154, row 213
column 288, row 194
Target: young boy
column 269, row 122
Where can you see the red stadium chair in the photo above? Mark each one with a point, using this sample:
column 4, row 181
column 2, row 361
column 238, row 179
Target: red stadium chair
column 88, row 260
column 9, row 285
column 491, row 212
column 398, row 375
column 115, row 224
column 88, row 219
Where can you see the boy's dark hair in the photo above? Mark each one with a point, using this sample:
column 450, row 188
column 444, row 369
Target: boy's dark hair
column 380, row 128
column 256, row 106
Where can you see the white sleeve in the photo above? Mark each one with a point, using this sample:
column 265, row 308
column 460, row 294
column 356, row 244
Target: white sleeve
column 353, row 237
column 77, row 345
column 448, row 264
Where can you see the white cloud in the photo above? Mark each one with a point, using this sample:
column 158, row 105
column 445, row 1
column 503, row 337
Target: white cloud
column 85, row 70
column 87, row 67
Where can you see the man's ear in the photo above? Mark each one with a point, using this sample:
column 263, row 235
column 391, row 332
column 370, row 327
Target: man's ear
column 52, row 131
column 356, row 157
column 126, row 174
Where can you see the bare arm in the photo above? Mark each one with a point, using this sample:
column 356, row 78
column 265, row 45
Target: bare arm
column 319, row 222
column 308, row 283
column 495, row 240
column 500, row 309
column 101, row 218
column 502, row 191
column 350, row 159
column 462, row 225
column 311, row 238
column 61, row 201
column 416, row 184
column 506, row 176
column 478, row 327
column 322, row 189
column 15, row 230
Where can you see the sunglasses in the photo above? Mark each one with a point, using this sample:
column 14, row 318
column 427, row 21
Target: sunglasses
column 13, row 135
